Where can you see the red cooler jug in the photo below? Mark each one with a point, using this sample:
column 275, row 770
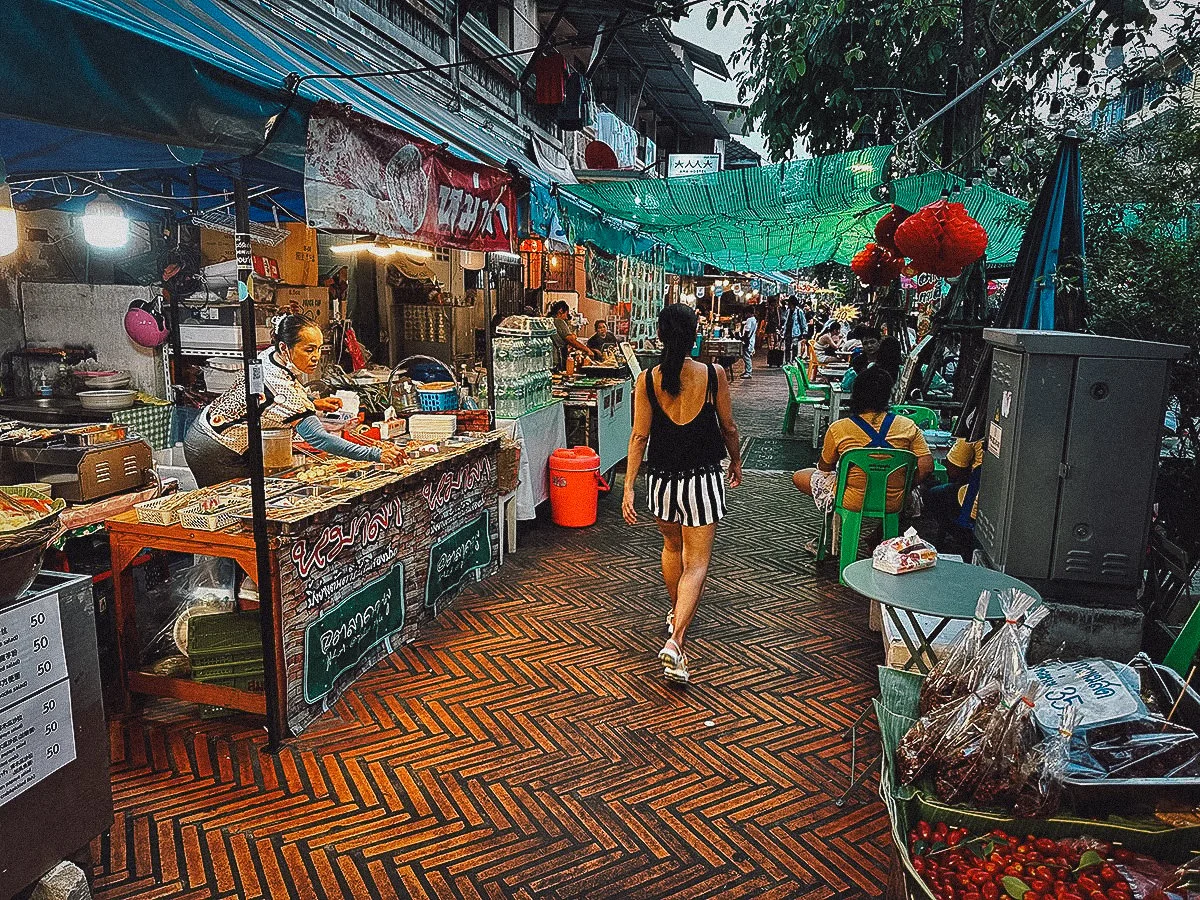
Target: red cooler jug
column 575, row 485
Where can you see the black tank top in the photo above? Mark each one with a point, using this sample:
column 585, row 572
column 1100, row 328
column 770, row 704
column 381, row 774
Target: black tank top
column 696, row 446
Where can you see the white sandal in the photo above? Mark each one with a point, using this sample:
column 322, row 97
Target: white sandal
column 670, row 654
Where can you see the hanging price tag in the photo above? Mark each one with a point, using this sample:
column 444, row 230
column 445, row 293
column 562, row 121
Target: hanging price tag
column 256, row 378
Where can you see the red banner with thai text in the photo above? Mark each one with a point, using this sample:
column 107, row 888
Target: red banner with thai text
column 366, row 177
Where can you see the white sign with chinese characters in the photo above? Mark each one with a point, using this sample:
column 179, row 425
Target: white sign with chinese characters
column 37, row 733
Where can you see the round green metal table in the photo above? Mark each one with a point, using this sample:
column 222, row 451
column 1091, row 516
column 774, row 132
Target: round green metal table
column 946, row 592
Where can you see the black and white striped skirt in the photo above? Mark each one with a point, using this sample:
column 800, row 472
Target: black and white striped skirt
column 690, row 498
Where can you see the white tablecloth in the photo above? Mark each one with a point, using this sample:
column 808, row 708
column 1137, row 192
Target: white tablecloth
column 540, row 432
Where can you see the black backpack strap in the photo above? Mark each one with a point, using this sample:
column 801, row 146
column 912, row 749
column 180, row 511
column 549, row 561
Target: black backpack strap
column 711, row 397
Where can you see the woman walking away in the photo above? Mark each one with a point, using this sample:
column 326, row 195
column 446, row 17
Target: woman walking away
column 684, row 411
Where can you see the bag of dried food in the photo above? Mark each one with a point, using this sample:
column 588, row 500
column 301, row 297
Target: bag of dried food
column 962, row 760
column 1003, row 656
column 1042, row 773
column 950, row 724
column 958, row 672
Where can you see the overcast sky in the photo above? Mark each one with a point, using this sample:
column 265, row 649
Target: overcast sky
column 723, row 40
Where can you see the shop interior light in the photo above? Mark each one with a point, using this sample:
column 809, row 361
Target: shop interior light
column 8, row 221
column 104, row 223
column 503, row 256
column 382, row 247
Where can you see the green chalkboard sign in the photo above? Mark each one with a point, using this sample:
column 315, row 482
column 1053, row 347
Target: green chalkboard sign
column 457, row 555
column 341, row 637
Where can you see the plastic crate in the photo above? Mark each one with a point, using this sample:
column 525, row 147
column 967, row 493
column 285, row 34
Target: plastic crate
column 440, row 400
column 223, row 634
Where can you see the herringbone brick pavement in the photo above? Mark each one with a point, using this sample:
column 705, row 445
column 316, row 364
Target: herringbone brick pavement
column 528, row 747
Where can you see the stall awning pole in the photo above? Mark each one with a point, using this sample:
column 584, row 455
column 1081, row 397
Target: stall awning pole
column 258, row 494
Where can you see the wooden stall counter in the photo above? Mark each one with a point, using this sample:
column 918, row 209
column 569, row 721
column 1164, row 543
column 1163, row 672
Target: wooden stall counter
column 350, row 582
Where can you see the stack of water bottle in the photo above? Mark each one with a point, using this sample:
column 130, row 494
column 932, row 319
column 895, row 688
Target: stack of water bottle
column 523, row 356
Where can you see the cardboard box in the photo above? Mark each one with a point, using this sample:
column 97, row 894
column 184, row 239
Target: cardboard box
column 311, row 301
column 297, row 256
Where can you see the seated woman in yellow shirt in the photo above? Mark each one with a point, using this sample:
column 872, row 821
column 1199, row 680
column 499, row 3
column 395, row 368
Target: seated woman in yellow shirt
column 869, row 425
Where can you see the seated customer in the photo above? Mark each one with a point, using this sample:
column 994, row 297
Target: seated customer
column 954, row 505
column 858, row 362
column 869, row 425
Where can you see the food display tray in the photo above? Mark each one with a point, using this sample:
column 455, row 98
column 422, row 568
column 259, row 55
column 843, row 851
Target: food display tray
column 1106, row 794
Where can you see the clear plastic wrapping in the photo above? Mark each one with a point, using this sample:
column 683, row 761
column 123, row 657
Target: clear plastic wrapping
column 1003, row 656
column 1043, row 770
column 1009, row 740
column 958, row 672
column 927, row 743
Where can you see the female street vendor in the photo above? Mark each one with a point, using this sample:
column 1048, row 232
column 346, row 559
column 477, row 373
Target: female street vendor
column 215, row 446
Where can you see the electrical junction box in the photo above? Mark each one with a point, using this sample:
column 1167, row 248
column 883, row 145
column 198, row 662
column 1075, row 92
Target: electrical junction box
column 1074, row 426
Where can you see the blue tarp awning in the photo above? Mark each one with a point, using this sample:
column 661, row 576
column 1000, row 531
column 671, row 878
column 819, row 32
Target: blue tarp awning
column 162, row 79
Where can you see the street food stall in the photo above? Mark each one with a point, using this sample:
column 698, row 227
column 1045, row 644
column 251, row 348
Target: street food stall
column 361, row 558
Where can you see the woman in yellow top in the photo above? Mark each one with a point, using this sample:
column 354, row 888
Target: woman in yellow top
column 869, row 425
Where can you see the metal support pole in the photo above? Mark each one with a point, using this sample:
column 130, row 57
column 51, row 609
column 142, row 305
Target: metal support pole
column 489, row 278
column 258, row 497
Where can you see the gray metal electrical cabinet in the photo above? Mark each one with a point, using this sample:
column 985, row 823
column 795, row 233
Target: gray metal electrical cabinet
column 1071, row 443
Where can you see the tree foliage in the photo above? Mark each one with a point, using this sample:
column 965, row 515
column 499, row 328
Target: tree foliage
column 1142, row 230
column 821, row 70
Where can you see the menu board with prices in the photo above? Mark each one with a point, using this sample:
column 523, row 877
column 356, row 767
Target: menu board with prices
column 37, row 734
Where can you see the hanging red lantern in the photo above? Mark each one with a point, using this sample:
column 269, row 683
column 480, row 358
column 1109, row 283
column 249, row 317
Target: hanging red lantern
column 875, row 265
column 885, row 228
column 941, row 239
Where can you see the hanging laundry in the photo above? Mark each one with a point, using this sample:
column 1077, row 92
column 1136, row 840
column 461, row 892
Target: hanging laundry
column 551, row 73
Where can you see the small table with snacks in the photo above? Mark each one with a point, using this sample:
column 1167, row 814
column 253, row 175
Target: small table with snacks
column 941, row 594
column 361, row 558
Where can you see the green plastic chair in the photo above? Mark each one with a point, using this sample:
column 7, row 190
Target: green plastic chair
column 797, row 396
column 1182, row 655
column 877, row 465
column 923, row 417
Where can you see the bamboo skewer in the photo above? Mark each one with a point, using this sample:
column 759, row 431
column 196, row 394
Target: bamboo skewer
column 1186, row 684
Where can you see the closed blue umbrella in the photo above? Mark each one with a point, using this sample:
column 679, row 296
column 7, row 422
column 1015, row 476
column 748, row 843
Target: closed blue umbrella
column 1046, row 291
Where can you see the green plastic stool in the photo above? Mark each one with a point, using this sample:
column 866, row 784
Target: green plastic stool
column 797, row 396
column 877, row 465
column 923, row 417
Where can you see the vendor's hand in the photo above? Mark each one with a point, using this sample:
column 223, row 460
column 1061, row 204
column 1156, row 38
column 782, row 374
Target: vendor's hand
column 327, row 404
column 627, row 507
column 735, row 474
column 391, row 455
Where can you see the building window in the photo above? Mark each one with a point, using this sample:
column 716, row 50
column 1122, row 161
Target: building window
column 1183, row 75
column 441, row 254
column 1135, row 99
column 1155, row 89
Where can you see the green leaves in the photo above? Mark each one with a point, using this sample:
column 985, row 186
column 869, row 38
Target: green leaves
column 1014, row 887
column 713, row 12
column 1089, row 859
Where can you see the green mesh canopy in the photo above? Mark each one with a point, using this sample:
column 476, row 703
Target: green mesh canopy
column 792, row 215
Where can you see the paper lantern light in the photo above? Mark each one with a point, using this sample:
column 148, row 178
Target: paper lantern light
column 885, row 228
column 941, row 239
column 875, row 265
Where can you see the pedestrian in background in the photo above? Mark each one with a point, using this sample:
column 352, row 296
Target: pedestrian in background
column 683, row 410
column 795, row 327
column 749, row 333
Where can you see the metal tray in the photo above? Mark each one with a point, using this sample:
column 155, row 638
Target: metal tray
column 1106, row 795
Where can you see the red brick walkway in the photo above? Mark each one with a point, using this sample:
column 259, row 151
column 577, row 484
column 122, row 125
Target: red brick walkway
column 529, row 747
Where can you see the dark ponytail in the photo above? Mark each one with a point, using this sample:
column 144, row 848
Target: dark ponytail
column 287, row 329
column 677, row 331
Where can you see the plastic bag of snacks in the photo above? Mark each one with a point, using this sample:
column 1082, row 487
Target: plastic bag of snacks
column 1003, row 657
column 1010, row 740
column 907, row 553
column 958, row 672
column 950, row 724
column 1042, row 773
column 961, row 759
